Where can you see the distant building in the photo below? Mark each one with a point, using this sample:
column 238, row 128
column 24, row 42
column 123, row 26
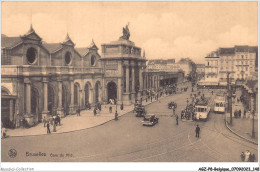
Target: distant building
column 239, row 61
column 167, row 65
column 200, row 68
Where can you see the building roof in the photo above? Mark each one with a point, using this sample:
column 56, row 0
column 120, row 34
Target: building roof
column 52, row 47
column 9, row 42
column 93, row 45
column 82, row 51
column 226, row 51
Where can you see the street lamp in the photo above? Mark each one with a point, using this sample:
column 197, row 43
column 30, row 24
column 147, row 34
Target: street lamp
column 253, row 128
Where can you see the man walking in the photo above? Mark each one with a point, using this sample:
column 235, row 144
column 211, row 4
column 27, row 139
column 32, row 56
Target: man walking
column 48, row 128
column 197, row 131
column 177, row 118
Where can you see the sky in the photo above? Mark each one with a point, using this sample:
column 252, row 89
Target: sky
column 163, row 29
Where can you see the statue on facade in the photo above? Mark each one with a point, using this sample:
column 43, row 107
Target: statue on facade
column 126, row 33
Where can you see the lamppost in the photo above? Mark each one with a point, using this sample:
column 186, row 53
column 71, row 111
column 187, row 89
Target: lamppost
column 229, row 97
column 253, row 128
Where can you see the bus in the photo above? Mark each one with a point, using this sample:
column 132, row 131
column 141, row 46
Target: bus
column 220, row 104
column 202, row 110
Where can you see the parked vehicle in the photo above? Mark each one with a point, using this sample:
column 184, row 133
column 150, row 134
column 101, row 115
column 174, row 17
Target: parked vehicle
column 150, row 120
column 140, row 111
column 172, row 105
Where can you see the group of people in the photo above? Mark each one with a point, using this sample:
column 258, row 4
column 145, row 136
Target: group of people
column 97, row 109
column 247, row 156
column 188, row 112
column 54, row 121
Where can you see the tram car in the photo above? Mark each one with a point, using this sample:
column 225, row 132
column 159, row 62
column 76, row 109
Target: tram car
column 202, row 110
column 220, row 104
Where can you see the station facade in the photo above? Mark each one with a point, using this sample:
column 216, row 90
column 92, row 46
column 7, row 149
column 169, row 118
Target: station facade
column 42, row 79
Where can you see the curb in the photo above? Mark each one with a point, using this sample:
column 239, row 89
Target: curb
column 82, row 128
column 251, row 141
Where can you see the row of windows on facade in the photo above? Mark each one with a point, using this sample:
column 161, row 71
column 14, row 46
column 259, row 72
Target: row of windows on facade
column 212, row 63
column 223, row 76
column 32, row 57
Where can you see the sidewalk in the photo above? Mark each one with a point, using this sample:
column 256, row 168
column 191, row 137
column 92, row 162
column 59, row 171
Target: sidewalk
column 74, row 123
column 243, row 128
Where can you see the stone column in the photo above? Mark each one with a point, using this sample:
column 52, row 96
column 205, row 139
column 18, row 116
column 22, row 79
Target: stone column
column 119, row 91
column 72, row 106
column 133, row 84
column 11, row 110
column 126, row 95
column 91, row 94
column 127, row 78
column 45, row 111
column 140, row 91
column 28, row 97
column 80, row 101
column 60, row 110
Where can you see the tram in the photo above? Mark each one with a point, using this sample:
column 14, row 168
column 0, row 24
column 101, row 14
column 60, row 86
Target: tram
column 219, row 105
column 202, row 110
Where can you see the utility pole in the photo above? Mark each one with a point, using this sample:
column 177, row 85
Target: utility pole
column 253, row 128
column 229, row 90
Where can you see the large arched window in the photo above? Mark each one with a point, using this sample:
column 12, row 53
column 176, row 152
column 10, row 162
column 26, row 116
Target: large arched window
column 68, row 58
column 31, row 55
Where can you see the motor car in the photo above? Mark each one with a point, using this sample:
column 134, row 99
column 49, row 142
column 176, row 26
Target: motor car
column 140, row 111
column 172, row 105
column 150, row 120
column 137, row 106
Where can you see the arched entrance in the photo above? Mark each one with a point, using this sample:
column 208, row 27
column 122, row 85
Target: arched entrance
column 97, row 87
column 112, row 91
column 76, row 95
column 51, row 100
column 65, row 102
column 86, row 89
column 35, row 103
column 7, row 108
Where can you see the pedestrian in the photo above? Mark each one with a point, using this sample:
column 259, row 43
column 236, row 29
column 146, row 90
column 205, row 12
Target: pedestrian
column 110, row 109
column 3, row 133
column 54, row 126
column 177, row 118
column 151, row 98
column 242, row 156
column 95, row 112
column 122, row 106
column 78, row 112
column 244, row 116
column 116, row 116
column 44, row 121
column 252, row 158
column 247, row 155
column 48, row 128
column 197, row 131
column 58, row 119
column 100, row 107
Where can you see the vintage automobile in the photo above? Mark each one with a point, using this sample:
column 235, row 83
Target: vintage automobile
column 172, row 105
column 150, row 120
column 140, row 111
column 137, row 106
